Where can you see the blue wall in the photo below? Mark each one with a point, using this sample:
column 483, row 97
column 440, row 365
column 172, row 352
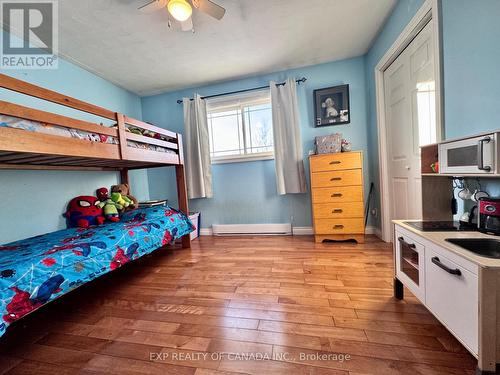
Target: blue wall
column 471, row 78
column 246, row 192
column 399, row 18
column 471, row 57
column 33, row 201
column 471, row 96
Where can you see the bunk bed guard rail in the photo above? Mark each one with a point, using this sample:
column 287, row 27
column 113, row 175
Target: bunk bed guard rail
column 144, row 147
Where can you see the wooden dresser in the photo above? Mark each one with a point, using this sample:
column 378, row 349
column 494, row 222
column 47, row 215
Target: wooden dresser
column 337, row 196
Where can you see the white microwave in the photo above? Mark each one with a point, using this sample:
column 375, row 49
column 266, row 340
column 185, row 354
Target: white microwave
column 475, row 155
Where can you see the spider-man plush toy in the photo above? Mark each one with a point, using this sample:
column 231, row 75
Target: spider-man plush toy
column 83, row 211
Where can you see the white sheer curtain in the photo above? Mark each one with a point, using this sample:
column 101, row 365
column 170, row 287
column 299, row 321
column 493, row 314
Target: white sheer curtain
column 197, row 148
column 288, row 155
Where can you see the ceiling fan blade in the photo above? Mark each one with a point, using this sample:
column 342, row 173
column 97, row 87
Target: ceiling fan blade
column 153, row 6
column 187, row 25
column 210, row 8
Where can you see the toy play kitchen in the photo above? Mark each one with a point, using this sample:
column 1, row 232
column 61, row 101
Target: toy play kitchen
column 489, row 215
column 473, row 155
column 453, row 267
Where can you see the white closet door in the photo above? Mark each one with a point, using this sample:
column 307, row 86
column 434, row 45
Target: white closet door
column 409, row 86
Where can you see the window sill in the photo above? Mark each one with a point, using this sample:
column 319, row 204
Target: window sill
column 243, row 158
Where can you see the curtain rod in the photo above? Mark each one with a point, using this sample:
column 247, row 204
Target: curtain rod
column 299, row 81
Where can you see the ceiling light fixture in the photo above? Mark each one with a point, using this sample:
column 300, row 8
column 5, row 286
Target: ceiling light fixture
column 180, row 9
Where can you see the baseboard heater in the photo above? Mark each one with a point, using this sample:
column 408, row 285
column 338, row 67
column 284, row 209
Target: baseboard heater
column 251, row 229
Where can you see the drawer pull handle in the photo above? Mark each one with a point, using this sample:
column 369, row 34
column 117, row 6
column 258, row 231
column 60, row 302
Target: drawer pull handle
column 338, row 226
column 404, row 243
column 335, row 178
column 335, row 162
column 336, row 195
column 438, row 263
column 337, row 211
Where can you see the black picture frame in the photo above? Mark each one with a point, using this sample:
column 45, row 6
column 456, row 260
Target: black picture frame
column 331, row 106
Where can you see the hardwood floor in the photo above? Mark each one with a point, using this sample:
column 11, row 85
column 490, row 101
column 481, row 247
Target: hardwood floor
column 286, row 304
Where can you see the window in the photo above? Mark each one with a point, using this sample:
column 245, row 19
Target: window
column 240, row 127
column 426, row 111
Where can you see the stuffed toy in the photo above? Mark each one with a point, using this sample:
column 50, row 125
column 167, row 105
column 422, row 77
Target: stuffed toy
column 84, row 211
column 124, row 190
column 120, row 200
column 102, row 194
column 134, row 130
column 109, row 207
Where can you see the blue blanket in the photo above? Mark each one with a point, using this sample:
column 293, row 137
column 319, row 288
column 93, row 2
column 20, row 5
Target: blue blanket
column 37, row 270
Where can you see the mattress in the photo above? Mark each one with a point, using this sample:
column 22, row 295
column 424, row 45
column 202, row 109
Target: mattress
column 40, row 269
column 40, row 127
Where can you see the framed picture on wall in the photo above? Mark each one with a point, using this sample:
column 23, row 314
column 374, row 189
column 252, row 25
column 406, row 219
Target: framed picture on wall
column 331, row 106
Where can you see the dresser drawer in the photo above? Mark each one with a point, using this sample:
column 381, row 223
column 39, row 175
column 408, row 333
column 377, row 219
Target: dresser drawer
column 339, row 226
column 336, row 178
column 334, row 162
column 338, row 194
column 338, row 210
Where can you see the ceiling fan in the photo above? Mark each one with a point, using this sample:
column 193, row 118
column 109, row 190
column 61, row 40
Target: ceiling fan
column 181, row 10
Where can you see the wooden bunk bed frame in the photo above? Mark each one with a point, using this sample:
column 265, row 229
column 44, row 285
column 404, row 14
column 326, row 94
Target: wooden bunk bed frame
column 22, row 149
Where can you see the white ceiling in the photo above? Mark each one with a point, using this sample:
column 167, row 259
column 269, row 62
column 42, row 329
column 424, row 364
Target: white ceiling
column 140, row 53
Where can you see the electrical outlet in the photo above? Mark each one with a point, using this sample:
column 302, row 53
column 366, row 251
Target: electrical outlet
column 374, row 212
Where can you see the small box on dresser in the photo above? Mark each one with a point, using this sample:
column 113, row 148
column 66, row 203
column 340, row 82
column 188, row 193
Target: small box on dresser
column 337, row 196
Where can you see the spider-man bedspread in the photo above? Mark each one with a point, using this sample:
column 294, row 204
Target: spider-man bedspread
column 39, row 269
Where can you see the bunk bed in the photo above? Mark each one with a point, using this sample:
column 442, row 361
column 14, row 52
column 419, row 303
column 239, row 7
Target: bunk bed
column 38, row 270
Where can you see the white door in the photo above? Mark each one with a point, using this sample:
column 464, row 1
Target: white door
column 409, row 89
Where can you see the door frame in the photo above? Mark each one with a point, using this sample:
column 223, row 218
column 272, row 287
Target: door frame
column 428, row 12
